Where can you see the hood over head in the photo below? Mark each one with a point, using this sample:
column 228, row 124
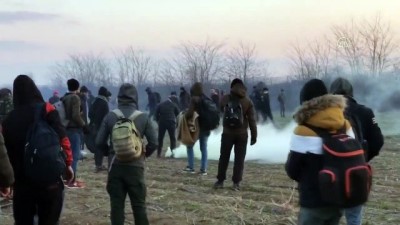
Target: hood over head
column 341, row 86
column 25, row 91
column 127, row 94
column 104, row 92
column 84, row 89
column 197, row 89
column 5, row 92
column 238, row 88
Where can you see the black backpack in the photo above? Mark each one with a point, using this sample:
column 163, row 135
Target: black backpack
column 44, row 160
column 345, row 179
column 208, row 114
column 233, row 114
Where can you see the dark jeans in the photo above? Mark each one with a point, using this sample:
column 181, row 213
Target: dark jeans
column 30, row 200
column 162, row 127
column 282, row 109
column 127, row 180
column 319, row 216
column 98, row 157
column 75, row 140
column 267, row 114
column 239, row 142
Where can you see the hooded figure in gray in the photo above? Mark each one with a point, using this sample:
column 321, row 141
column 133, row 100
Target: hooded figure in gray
column 128, row 103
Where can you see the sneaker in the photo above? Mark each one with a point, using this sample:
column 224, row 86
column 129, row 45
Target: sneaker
column 76, row 185
column 219, row 185
column 236, row 187
column 202, row 172
column 189, row 170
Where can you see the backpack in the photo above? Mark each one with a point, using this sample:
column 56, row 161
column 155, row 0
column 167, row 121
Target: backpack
column 209, row 114
column 126, row 139
column 44, row 159
column 233, row 114
column 345, row 179
column 60, row 107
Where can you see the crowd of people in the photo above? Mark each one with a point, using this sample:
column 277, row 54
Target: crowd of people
column 78, row 119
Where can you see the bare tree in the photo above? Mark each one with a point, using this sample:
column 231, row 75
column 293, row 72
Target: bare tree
column 242, row 63
column 134, row 66
column 199, row 62
column 379, row 44
column 89, row 69
column 349, row 46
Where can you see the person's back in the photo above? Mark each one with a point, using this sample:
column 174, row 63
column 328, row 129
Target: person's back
column 6, row 103
column 235, row 133
column 184, row 99
column 305, row 159
column 366, row 130
column 127, row 178
column 27, row 192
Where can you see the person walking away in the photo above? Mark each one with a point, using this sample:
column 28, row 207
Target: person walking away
column 98, row 110
column 215, row 96
column 75, row 126
column 282, row 100
column 126, row 174
column 174, row 98
column 238, row 116
column 165, row 115
column 6, row 103
column 152, row 101
column 266, row 106
column 305, row 160
column 55, row 98
column 31, row 196
column 366, row 130
column 208, row 120
column 184, row 99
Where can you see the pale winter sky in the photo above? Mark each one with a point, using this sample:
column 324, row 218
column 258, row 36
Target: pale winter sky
column 36, row 34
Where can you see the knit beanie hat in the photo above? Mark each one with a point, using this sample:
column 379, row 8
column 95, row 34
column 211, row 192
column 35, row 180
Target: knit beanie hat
column 73, row 85
column 312, row 89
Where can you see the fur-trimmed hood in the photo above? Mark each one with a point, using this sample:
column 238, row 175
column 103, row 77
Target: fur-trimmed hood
column 325, row 112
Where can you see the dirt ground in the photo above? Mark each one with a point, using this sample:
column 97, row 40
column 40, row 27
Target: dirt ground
column 267, row 196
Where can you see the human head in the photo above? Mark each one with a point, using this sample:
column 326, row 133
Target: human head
column 73, row 85
column 127, row 94
column 312, row 89
column 25, row 91
column 341, row 86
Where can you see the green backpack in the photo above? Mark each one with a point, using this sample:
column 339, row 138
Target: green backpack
column 126, row 139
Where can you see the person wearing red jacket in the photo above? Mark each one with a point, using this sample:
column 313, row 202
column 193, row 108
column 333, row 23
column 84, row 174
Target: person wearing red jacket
column 31, row 198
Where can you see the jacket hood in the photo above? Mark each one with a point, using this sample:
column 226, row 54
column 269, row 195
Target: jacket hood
column 239, row 90
column 127, row 94
column 341, row 86
column 104, row 92
column 197, row 89
column 324, row 112
column 25, row 91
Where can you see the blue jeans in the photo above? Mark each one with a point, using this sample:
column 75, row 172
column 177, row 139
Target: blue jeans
column 353, row 215
column 319, row 216
column 74, row 137
column 203, row 137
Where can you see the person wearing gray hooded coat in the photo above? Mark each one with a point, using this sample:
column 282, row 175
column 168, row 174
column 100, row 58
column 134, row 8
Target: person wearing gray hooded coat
column 366, row 130
column 127, row 177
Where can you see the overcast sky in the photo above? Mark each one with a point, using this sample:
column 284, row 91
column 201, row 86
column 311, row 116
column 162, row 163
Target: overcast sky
column 36, row 34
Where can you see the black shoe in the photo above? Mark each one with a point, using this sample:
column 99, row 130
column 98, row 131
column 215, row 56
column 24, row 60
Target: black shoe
column 236, row 187
column 219, row 185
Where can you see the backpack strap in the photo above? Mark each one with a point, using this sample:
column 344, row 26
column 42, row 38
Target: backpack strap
column 135, row 115
column 119, row 113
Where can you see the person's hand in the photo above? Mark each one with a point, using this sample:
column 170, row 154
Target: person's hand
column 69, row 174
column 5, row 191
column 253, row 141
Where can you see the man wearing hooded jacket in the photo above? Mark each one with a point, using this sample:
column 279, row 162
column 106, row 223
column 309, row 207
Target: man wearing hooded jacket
column 236, row 137
column 127, row 178
column 366, row 130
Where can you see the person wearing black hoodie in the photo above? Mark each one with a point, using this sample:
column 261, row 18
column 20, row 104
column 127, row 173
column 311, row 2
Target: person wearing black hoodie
column 31, row 197
column 127, row 178
column 97, row 111
column 184, row 99
column 366, row 130
column 236, row 137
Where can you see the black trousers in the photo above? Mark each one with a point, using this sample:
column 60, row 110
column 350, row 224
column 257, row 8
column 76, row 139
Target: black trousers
column 164, row 126
column 30, row 200
column 239, row 143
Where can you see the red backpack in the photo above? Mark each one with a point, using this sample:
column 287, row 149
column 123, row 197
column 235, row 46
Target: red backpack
column 345, row 179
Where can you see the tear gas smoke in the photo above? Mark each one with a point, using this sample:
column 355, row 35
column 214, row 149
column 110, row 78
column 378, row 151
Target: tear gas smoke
column 272, row 145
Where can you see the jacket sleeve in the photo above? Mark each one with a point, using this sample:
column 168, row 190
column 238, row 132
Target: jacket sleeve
column 373, row 135
column 176, row 110
column 76, row 111
column 151, row 137
column 192, row 106
column 157, row 113
column 6, row 170
column 103, row 133
column 293, row 165
column 250, row 114
column 53, row 118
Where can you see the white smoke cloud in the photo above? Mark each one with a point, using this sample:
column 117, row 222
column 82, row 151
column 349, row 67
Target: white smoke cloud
column 272, row 145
